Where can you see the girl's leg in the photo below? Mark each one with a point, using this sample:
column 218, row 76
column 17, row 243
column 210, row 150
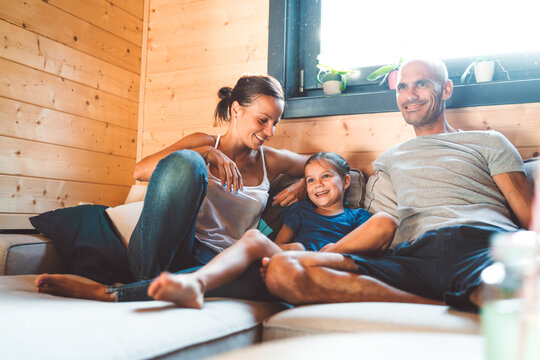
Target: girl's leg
column 188, row 289
column 164, row 233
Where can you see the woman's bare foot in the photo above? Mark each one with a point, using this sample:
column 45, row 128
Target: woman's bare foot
column 184, row 290
column 72, row 286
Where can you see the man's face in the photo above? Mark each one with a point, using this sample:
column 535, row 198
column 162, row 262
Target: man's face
column 420, row 95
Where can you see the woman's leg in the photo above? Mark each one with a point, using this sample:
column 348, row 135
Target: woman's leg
column 188, row 289
column 164, row 233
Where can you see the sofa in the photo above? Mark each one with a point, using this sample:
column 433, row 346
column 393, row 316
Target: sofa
column 42, row 326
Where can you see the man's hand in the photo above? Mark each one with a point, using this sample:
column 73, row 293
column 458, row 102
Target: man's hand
column 291, row 194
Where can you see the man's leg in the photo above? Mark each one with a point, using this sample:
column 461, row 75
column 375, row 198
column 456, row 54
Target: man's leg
column 309, row 278
column 188, row 290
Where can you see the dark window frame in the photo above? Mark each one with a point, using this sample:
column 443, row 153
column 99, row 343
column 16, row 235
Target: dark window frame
column 290, row 48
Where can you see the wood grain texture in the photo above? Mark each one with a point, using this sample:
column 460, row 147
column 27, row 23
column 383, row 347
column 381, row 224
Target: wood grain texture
column 58, row 25
column 35, row 195
column 25, row 121
column 106, row 16
column 29, row 158
column 134, row 7
column 27, row 48
column 32, row 86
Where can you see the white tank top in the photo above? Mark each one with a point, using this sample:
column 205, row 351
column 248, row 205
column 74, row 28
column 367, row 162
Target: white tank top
column 224, row 216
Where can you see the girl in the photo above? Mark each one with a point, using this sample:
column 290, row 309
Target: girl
column 204, row 192
column 320, row 225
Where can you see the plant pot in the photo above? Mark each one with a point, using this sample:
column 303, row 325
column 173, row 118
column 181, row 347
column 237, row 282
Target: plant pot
column 332, row 83
column 331, row 87
column 392, row 79
column 483, row 71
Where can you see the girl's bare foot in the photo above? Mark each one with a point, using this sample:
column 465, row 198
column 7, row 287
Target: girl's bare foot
column 264, row 267
column 72, row 286
column 184, row 290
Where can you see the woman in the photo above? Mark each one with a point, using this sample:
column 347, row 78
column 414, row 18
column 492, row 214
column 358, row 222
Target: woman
column 204, row 192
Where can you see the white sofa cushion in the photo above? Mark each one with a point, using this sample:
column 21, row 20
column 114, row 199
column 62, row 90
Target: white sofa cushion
column 368, row 316
column 41, row 326
column 379, row 346
column 124, row 219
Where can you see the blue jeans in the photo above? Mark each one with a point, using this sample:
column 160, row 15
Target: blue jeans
column 249, row 286
column 163, row 237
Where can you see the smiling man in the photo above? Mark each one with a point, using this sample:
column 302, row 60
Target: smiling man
column 449, row 190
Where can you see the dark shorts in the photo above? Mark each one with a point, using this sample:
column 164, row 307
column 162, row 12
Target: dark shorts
column 443, row 264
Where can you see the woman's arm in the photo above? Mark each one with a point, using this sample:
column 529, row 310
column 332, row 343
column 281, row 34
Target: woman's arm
column 198, row 142
column 372, row 237
column 286, row 162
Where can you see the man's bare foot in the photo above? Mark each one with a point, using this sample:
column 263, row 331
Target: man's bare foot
column 184, row 290
column 72, row 286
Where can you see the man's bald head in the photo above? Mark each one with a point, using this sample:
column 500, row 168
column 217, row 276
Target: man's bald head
column 437, row 68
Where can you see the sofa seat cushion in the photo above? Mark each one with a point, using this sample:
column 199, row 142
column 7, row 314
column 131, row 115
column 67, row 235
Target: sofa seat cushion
column 372, row 345
column 42, row 326
column 368, row 316
column 29, row 254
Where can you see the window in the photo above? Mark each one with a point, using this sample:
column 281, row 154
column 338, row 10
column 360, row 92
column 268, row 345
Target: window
column 362, row 36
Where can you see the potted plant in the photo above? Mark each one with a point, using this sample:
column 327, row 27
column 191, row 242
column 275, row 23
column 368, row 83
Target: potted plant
column 333, row 81
column 483, row 68
column 389, row 72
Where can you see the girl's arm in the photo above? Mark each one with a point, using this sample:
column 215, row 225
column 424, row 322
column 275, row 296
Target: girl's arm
column 284, row 238
column 372, row 237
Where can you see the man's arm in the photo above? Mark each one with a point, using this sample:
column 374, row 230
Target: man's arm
column 515, row 188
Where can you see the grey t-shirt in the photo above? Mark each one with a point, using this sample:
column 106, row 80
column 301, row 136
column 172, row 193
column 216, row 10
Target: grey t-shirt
column 446, row 179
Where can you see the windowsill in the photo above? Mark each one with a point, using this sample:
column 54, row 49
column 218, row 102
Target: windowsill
column 481, row 94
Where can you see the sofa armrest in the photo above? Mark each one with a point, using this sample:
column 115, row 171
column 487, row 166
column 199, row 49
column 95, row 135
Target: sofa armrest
column 22, row 254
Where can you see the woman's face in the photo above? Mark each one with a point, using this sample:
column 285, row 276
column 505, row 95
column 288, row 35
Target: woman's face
column 256, row 122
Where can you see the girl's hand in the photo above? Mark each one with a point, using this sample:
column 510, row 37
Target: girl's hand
column 327, row 248
column 295, row 246
column 229, row 174
column 291, row 194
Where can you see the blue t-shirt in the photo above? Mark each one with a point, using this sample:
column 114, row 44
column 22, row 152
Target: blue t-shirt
column 314, row 230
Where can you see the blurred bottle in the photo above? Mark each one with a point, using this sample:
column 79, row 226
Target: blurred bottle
column 510, row 313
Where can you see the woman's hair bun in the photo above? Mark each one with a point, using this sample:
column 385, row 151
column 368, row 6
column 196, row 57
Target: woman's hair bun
column 225, row 92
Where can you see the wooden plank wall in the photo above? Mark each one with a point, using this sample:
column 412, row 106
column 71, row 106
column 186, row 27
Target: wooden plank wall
column 195, row 47
column 69, row 94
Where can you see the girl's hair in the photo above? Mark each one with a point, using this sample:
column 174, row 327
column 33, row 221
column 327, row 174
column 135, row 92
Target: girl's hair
column 339, row 163
column 246, row 90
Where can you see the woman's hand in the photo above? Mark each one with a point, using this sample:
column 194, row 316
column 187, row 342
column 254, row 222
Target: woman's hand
column 229, row 174
column 291, row 194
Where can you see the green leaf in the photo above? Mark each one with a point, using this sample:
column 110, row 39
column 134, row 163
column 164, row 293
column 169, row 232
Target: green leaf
column 380, row 72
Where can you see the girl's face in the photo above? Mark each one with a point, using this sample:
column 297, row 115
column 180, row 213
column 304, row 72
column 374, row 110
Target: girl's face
column 325, row 187
column 256, row 123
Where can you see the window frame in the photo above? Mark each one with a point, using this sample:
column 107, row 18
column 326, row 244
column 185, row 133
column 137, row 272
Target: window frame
column 285, row 57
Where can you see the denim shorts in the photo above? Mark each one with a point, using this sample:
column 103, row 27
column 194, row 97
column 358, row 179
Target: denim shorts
column 443, row 264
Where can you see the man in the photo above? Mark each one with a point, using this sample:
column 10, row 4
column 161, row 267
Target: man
column 451, row 190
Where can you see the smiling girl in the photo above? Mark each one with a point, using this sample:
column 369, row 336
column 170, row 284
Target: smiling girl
column 323, row 224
